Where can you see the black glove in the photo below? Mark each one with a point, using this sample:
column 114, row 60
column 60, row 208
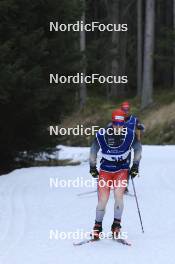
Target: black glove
column 134, row 170
column 94, row 172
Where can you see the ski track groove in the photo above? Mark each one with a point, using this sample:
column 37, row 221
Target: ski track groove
column 14, row 228
column 29, row 209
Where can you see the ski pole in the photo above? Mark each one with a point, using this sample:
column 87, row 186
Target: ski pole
column 137, row 204
column 84, row 193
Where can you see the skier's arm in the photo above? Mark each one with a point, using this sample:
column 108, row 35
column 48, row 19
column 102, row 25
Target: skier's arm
column 93, row 153
column 93, row 159
column 139, row 129
column 140, row 126
column 137, row 147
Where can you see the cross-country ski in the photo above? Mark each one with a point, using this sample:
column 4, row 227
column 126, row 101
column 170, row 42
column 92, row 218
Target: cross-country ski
column 86, row 241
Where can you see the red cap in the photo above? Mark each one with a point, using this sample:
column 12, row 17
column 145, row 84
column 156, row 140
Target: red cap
column 125, row 106
column 118, row 117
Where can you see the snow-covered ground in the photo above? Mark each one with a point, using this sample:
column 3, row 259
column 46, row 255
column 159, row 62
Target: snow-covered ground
column 64, row 152
column 30, row 209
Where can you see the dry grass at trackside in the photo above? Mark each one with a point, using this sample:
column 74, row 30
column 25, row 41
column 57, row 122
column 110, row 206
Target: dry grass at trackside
column 160, row 116
column 159, row 119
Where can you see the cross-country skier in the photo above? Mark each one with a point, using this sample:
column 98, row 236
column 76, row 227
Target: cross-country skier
column 129, row 119
column 132, row 122
column 114, row 167
column 139, row 129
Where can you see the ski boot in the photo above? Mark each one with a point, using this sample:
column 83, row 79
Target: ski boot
column 97, row 230
column 115, row 228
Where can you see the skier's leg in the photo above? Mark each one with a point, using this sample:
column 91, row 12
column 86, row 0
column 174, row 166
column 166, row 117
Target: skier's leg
column 103, row 194
column 120, row 181
column 118, row 206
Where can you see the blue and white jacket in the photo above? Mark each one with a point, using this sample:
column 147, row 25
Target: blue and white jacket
column 115, row 150
column 134, row 120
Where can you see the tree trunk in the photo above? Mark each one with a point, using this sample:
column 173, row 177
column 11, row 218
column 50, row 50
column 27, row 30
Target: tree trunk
column 83, row 88
column 147, row 91
column 139, row 47
column 114, row 17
